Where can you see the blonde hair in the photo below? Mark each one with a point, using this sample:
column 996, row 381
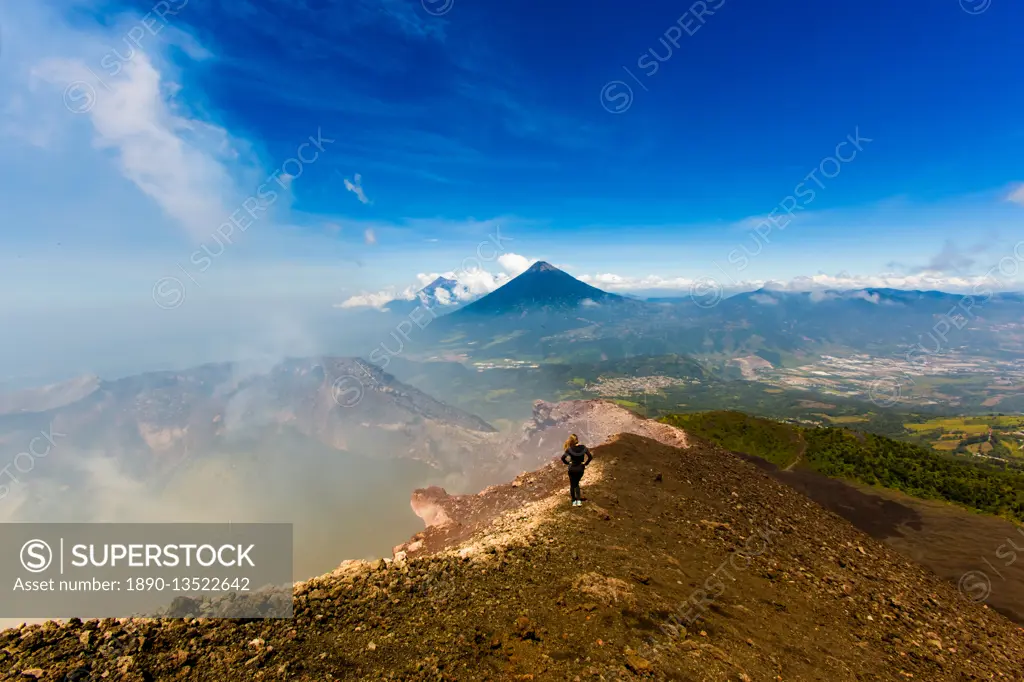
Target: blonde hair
column 573, row 440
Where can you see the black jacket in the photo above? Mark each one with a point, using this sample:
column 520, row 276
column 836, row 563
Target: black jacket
column 574, row 456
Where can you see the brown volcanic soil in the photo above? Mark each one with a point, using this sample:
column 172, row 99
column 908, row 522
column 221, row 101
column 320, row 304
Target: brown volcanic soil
column 981, row 554
column 553, row 592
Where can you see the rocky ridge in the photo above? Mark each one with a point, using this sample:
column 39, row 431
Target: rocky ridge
column 451, row 518
column 683, row 564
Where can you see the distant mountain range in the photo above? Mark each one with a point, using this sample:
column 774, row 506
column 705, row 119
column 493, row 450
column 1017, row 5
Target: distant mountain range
column 546, row 313
column 544, row 304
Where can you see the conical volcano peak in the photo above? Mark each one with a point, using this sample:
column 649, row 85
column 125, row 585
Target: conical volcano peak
column 543, row 266
column 440, row 282
column 541, row 286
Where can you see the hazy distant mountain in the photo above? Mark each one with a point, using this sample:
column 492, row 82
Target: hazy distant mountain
column 440, row 290
column 48, row 397
column 156, row 421
column 880, row 304
column 542, row 287
column 877, row 296
column 865, row 320
column 439, row 293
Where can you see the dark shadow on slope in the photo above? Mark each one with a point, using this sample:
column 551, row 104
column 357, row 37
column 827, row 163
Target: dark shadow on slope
column 976, row 552
column 878, row 517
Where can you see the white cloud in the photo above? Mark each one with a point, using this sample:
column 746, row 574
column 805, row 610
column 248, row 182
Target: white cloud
column 425, row 278
column 819, row 295
column 870, row 298
column 369, row 236
column 626, row 283
column 929, row 280
column 769, row 224
column 514, row 265
column 918, row 281
column 379, row 299
column 356, row 187
column 477, row 282
column 171, row 158
column 764, row 299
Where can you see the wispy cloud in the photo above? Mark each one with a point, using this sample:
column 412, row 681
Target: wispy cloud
column 527, row 119
column 355, row 186
column 176, row 160
column 405, row 17
column 378, row 299
column 764, row 299
column 614, row 282
column 775, row 223
column 819, row 295
column 949, row 259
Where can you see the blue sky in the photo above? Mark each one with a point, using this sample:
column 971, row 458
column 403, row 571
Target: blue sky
column 133, row 131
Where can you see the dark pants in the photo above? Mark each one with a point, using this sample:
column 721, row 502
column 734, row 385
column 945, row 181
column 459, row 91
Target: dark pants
column 575, row 474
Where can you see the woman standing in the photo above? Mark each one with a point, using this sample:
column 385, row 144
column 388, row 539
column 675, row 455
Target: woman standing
column 574, row 455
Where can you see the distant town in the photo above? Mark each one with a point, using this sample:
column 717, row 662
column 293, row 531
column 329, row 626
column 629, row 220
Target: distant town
column 505, row 363
column 620, row 386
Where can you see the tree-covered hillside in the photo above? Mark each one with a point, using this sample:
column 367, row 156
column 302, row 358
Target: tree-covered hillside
column 986, row 485
column 774, row 441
